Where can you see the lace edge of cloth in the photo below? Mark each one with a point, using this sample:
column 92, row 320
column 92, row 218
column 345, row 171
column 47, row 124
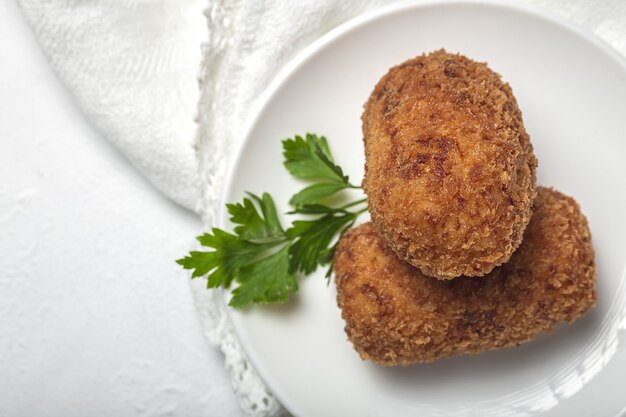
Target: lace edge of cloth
column 253, row 395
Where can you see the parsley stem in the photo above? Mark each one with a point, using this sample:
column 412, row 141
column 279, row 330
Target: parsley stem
column 356, row 187
column 354, row 203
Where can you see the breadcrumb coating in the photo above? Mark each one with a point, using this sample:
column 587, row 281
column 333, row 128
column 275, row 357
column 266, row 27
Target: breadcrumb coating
column 450, row 170
column 395, row 315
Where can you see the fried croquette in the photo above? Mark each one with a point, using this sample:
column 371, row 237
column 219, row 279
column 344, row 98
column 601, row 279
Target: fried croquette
column 395, row 315
column 450, row 170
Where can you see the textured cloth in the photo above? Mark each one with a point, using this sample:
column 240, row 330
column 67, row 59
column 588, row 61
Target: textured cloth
column 132, row 65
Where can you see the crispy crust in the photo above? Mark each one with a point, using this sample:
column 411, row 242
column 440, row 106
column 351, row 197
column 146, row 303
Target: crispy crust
column 450, row 170
column 395, row 315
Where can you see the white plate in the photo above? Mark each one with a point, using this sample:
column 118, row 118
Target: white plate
column 572, row 91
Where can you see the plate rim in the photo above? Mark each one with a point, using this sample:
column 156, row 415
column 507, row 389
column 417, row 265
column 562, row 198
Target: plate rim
column 308, row 53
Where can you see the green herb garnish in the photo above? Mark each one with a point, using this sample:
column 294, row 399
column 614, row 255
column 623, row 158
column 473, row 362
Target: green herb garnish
column 263, row 257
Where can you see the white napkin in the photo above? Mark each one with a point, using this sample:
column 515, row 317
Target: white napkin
column 132, row 64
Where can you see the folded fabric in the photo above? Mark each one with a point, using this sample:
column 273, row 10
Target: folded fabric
column 132, row 67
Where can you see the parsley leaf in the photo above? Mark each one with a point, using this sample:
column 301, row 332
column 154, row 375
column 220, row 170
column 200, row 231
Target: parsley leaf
column 315, row 193
column 314, row 209
column 245, row 256
column 251, row 225
column 266, row 281
column 262, row 257
column 225, row 262
column 310, row 158
column 312, row 238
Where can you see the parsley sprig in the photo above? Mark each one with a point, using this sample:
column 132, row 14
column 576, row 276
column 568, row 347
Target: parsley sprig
column 263, row 257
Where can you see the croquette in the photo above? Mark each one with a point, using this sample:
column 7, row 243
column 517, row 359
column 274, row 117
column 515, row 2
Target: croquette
column 395, row 315
column 450, row 170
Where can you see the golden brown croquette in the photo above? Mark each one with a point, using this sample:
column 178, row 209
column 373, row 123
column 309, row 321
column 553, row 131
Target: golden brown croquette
column 450, row 170
column 395, row 315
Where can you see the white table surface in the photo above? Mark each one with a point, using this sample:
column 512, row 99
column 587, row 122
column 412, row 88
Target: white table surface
column 96, row 319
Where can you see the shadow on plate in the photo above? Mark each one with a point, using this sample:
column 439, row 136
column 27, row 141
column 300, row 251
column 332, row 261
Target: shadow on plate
column 281, row 310
column 545, row 352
